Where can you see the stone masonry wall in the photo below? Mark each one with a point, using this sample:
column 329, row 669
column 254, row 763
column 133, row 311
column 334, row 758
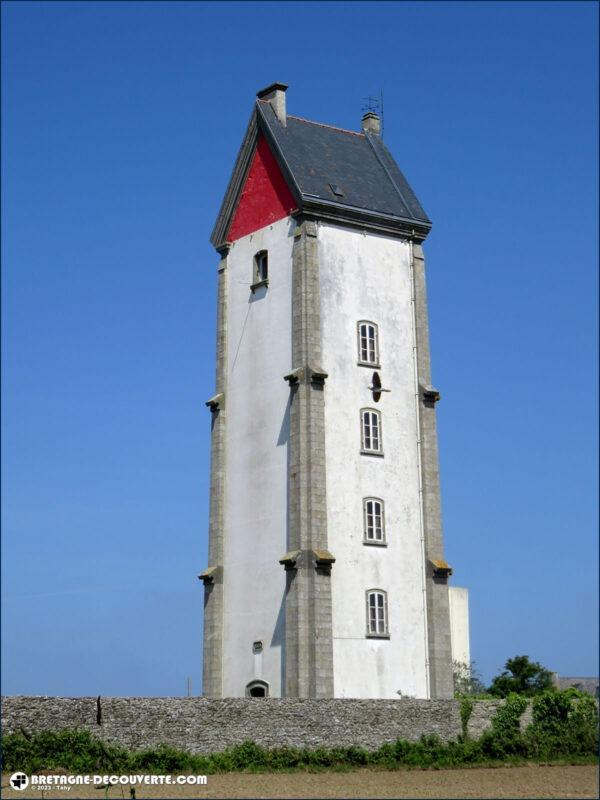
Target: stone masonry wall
column 202, row 725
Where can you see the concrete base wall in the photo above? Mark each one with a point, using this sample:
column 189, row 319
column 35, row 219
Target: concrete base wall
column 200, row 725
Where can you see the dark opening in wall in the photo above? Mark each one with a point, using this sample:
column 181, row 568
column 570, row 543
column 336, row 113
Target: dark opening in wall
column 257, row 688
column 260, row 270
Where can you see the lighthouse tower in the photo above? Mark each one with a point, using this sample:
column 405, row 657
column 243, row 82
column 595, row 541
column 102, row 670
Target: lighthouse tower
column 326, row 574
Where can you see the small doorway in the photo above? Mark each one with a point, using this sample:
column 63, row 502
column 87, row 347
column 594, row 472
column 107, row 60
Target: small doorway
column 257, row 689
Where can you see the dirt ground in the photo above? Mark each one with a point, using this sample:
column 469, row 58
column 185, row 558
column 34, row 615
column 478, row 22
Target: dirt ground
column 503, row 782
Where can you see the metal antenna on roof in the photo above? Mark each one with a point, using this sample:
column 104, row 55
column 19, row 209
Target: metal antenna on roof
column 375, row 104
column 371, row 104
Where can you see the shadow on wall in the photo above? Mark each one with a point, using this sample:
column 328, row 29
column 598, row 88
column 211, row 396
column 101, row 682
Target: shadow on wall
column 278, row 638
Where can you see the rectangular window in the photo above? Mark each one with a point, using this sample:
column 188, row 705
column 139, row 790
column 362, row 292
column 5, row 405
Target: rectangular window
column 371, row 431
column 368, row 344
column 260, row 270
column 374, row 520
column 377, row 623
column 262, row 267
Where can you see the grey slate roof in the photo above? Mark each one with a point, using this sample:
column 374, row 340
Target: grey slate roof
column 314, row 157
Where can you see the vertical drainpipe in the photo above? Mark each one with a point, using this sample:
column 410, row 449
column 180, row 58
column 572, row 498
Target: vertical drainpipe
column 212, row 673
column 438, row 613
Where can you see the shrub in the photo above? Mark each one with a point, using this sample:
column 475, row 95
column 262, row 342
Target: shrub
column 564, row 723
column 466, row 709
column 163, row 760
column 503, row 739
column 76, row 750
column 285, row 758
column 248, row 756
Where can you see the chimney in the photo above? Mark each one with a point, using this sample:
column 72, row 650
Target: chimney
column 371, row 122
column 275, row 95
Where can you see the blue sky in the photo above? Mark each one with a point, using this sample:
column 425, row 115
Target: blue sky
column 121, row 123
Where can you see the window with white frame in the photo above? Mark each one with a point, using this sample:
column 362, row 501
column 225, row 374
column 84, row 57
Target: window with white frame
column 368, row 343
column 377, row 613
column 374, row 520
column 370, row 421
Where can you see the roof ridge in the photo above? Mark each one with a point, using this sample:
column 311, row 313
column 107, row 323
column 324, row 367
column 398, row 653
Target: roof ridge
column 324, row 125
column 387, row 172
column 313, row 122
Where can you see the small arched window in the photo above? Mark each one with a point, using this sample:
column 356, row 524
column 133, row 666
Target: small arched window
column 260, row 270
column 374, row 520
column 377, row 613
column 370, row 422
column 257, row 688
column 368, row 343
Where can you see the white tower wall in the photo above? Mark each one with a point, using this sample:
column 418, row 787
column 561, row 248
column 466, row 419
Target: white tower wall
column 368, row 277
column 259, row 355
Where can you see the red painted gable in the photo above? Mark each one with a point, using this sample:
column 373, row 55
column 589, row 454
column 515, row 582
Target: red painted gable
column 265, row 196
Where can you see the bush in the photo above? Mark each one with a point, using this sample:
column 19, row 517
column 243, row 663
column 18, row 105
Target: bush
column 76, row 750
column 564, row 724
column 466, row 709
column 504, row 739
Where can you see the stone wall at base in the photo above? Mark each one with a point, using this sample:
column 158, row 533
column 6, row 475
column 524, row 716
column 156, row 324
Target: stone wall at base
column 202, row 725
